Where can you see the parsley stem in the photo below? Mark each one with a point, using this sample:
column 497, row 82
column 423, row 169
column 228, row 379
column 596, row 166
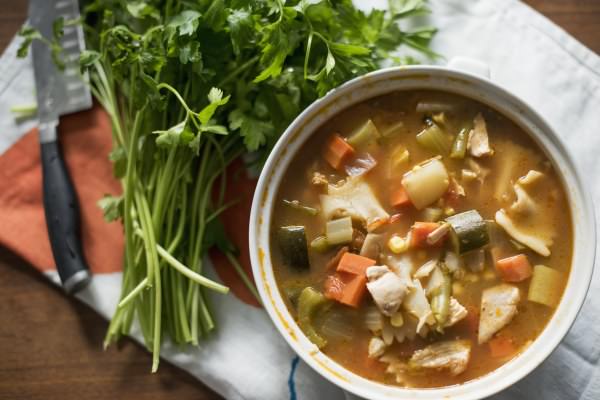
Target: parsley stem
column 238, row 71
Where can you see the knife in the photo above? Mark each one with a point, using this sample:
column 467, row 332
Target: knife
column 60, row 92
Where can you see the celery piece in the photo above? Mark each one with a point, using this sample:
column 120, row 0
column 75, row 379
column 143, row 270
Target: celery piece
column 459, row 147
column 320, row 244
column 364, row 136
column 434, row 139
column 393, row 129
column 309, row 303
column 339, row 231
column 545, row 287
column 432, row 214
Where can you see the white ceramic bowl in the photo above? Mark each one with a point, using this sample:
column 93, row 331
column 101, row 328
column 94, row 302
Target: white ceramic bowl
column 470, row 85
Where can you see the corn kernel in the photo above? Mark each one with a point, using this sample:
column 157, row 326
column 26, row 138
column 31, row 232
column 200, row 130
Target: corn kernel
column 397, row 245
column 396, row 320
column 449, row 211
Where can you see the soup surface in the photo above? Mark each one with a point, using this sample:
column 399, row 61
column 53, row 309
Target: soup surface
column 421, row 239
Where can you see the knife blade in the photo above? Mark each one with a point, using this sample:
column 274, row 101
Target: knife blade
column 59, row 92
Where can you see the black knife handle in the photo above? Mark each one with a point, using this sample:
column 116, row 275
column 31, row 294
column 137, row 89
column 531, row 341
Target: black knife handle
column 62, row 219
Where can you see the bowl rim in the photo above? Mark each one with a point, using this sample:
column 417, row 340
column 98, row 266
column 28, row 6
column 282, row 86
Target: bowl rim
column 554, row 148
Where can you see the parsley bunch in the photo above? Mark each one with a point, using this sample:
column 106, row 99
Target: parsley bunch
column 191, row 86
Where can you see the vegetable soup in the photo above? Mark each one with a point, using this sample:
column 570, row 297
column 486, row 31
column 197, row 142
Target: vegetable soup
column 421, row 239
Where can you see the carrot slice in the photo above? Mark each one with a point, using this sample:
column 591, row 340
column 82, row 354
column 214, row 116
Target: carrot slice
column 514, row 269
column 346, row 288
column 399, row 198
column 354, row 264
column 501, row 346
column 355, row 289
column 337, row 151
column 420, row 231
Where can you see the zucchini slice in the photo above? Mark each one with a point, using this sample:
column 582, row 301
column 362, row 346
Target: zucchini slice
column 293, row 246
column 469, row 231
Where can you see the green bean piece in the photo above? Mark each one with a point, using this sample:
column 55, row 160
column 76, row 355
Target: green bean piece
column 459, row 147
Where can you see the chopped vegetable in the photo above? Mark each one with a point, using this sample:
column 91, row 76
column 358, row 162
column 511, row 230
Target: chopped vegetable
column 360, row 165
column 348, row 289
column 338, row 152
column 354, row 264
column 365, row 136
column 339, row 231
column 397, row 320
column 398, row 160
column 333, row 263
column 475, row 260
column 420, row 231
column 320, row 244
column 393, row 129
column 426, row 183
column 501, row 347
column 545, row 286
column 338, row 325
column 432, row 214
column 434, row 139
column 399, row 198
column 437, row 235
column 514, row 269
column 459, row 146
column 397, row 244
column 309, row 303
column 295, row 204
column 454, row 264
column 293, row 246
column 469, row 231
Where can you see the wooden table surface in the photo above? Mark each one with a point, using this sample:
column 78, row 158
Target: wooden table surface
column 51, row 345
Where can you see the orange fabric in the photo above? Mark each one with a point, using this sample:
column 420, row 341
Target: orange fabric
column 236, row 219
column 85, row 145
column 86, row 141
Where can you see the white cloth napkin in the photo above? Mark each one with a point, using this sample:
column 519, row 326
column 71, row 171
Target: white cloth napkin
column 529, row 55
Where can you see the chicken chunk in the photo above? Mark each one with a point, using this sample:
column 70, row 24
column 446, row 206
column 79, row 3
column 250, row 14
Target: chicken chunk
column 457, row 312
column 498, row 308
column 479, row 145
column 452, row 356
column 387, row 289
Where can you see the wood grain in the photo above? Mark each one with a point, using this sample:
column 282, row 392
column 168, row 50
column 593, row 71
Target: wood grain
column 50, row 345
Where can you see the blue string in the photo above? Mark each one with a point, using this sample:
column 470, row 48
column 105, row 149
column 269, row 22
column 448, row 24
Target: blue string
column 291, row 383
